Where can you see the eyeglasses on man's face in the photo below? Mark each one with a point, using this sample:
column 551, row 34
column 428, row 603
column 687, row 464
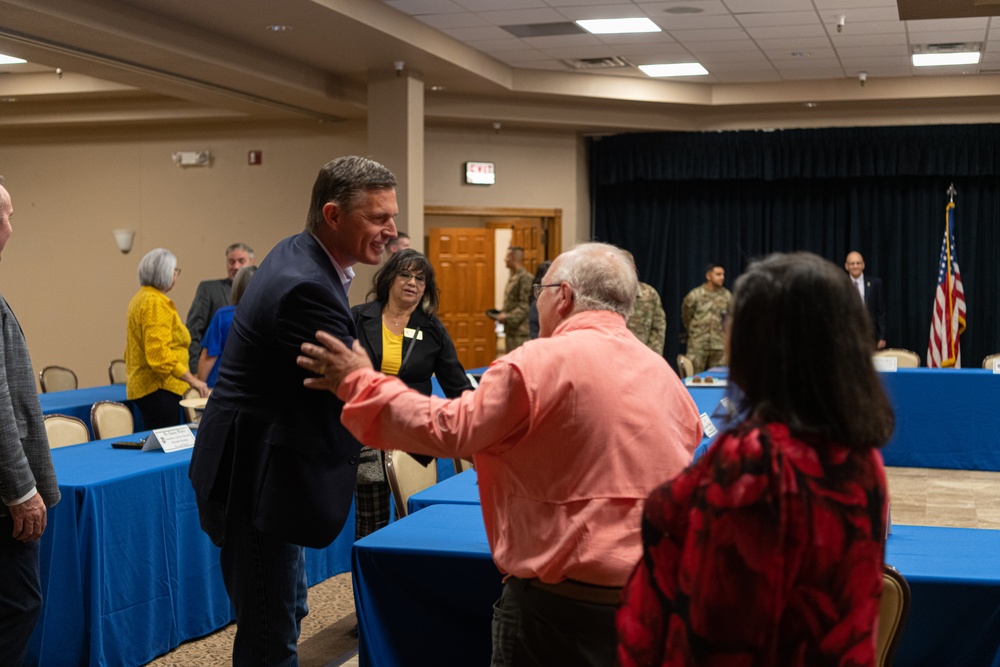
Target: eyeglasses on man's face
column 406, row 275
column 538, row 288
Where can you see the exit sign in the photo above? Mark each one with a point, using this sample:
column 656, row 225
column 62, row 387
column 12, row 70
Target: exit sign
column 480, row 173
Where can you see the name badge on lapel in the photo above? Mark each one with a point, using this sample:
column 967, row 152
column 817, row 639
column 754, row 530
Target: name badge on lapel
column 413, row 333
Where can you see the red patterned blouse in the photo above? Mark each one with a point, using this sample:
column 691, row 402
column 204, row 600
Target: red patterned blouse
column 767, row 551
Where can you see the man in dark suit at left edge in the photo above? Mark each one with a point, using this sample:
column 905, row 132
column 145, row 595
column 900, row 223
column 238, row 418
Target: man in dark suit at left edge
column 272, row 466
column 27, row 479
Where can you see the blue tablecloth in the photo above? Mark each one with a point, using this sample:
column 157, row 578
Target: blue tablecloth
column 127, row 573
column 428, row 580
column 461, row 489
column 77, row 402
column 945, row 418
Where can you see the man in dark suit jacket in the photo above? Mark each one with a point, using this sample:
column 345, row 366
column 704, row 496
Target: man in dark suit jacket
column 212, row 295
column 870, row 288
column 27, row 479
column 272, row 467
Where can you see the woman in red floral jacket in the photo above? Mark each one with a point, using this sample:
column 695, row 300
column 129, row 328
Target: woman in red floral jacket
column 769, row 549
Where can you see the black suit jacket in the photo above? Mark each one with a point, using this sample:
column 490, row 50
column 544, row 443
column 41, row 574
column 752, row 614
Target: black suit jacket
column 875, row 303
column 432, row 353
column 268, row 449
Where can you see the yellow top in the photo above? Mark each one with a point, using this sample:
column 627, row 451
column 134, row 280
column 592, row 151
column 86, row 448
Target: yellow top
column 156, row 345
column 392, row 351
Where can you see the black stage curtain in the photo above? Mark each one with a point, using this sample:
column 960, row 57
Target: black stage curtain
column 680, row 200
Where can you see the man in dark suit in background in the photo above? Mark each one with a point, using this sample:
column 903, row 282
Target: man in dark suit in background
column 27, row 479
column 870, row 289
column 272, row 467
column 212, row 295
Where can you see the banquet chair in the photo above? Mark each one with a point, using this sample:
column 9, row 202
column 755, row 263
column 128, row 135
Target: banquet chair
column 111, row 419
column 893, row 610
column 904, row 358
column 988, row 361
column 407, row 476
column 63, row 430
column 116, row 371
column 685, row 367
column 56, row 378
column 192, row 415
column 461, row 465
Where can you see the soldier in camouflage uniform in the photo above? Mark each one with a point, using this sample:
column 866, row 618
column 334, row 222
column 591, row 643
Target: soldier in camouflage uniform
column 648, row 321
column 516, row 298
column 701, row 314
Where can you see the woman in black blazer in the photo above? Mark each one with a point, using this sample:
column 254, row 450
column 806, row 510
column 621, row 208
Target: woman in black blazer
column 399, row 329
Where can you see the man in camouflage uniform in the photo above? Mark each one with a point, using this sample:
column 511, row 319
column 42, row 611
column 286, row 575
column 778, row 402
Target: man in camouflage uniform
column 648, row 321
column 702, row 313
column 516, row 297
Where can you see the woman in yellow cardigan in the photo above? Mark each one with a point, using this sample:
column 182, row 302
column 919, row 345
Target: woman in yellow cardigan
column 156, row 345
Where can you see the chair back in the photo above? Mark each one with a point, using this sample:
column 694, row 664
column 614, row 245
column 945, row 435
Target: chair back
column 461, row 465
column 893, row 610
column 192, row 415
column 56, row 378
column 904, row 358
column 63, row 430
column 116, row 371
column 988, row 361
column 685, row 367
column 111, row 419
column 406, row 476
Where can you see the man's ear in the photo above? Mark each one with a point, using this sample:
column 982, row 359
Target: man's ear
column 331, row 214
column 566, row 300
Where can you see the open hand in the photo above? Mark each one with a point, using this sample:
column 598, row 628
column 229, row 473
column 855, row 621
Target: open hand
column 333, row 361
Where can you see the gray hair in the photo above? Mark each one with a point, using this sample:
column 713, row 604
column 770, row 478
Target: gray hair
column 601, row 278
column 156, row 269
column 240, row 246
column 344, row 182
column 240, row 283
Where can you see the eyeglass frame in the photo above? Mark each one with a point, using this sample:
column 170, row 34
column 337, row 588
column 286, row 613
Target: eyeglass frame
column 420, row 279
column 537, row 289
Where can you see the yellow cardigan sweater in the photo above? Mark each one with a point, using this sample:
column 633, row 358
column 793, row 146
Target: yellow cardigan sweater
column 156, row 345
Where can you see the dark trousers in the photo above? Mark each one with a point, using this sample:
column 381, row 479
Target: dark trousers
column 535, row 628
column 266, row 582
column 160, row 409
column 20, row 594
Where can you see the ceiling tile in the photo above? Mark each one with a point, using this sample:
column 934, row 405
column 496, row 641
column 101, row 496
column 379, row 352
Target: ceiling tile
column 414, row 7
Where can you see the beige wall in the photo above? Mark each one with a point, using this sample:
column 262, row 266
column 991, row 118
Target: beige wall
column 68, row 283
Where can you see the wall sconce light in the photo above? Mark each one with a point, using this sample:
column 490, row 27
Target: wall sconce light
column 124, row 238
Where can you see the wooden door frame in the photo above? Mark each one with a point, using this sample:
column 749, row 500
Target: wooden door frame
column 552, row 219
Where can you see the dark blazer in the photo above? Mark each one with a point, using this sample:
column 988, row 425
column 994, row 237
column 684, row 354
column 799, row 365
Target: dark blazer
column 208, row 298
column 875, row 303
column 432, row 353
column 268, row 449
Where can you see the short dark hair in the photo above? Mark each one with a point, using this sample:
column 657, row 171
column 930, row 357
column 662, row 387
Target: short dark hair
column 799, row 349
column 540, row 272
column 344, row 181
column 405, row 260
column 712, row 266
column 517, row 252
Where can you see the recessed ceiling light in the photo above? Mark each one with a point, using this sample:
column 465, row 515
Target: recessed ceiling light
column 683, row 10
column 8, row 99
column 10, row 60
column 674, row 69
column 437, row 88
column 279, row 28
column 935, row 59
column 618, row 26
column 810, row 105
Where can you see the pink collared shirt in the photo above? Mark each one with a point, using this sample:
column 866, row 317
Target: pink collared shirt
column 570, row 434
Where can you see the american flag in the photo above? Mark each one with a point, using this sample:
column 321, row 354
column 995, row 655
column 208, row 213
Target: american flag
column 948, row 320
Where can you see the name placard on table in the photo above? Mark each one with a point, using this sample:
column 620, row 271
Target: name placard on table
column 885, row 363
column 170, row 439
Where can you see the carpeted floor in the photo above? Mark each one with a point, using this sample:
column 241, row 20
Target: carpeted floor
column 326, row 633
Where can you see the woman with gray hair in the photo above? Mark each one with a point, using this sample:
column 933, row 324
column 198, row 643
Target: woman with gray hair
column 156, row 345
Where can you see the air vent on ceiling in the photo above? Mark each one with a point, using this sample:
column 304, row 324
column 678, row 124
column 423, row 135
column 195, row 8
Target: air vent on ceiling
column 544, row 29
column 611, row 62
column 950, row 47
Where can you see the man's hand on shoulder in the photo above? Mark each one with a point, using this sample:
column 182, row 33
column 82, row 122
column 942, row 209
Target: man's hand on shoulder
column 333, row 361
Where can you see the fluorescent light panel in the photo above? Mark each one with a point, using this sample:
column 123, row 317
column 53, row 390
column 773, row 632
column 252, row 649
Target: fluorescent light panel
column 674, row 69
column 618, row 26
column 10, row 60
column 937, row 59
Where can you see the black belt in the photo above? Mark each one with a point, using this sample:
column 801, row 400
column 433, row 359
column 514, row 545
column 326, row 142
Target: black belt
column 580, row 591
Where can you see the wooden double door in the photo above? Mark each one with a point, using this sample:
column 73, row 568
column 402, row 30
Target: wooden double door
column 464, row 260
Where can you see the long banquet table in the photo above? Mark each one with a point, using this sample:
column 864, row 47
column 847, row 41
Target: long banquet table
column 428, row 583
column 77, row 402
column 127, row 573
